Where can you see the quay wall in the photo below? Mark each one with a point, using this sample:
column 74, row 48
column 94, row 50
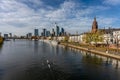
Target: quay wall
column 117, row 57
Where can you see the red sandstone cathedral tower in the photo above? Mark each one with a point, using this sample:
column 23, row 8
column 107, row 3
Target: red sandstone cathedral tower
column 94, row 26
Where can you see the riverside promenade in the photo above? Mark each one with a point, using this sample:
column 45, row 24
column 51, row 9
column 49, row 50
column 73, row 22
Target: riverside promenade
column 117, row 57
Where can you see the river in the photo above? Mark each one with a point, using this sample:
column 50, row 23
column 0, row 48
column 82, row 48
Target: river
column 38, row 60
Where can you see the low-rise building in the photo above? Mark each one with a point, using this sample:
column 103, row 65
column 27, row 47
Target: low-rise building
column 76, row 38
column 116, row 36
column 107, row 38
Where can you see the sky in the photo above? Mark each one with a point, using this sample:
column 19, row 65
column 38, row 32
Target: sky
column 20, row 17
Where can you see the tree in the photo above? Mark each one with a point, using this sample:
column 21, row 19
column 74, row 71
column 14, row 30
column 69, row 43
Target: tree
column 66, row 38
column 93, row 37
column 1, row 40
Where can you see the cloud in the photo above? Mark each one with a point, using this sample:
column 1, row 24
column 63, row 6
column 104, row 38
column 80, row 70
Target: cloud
column 66, row 10
column 106, row 22
column 22, row 16
column 112, row 2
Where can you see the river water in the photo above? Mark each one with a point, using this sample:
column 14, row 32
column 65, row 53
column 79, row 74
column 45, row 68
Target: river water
column 37, row 60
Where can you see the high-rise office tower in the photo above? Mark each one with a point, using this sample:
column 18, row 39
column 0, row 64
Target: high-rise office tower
column 57, row 31
column 29, row 35
column 10, row 35
column 44, row 32
column 53, row 32
column 62, row 31
column 47, row 33
column 36, row 32
column 0, row 34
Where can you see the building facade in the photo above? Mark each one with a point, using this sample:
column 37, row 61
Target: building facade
column 94, row 26
column 53, row 32
column 36, row 32
column 116, row 36
column 62, row 31
column 47, row 33
column 10, row 35
column 0, row 34
column 29, row 35
column 44, row 32
column 57, row 31
column 5, row 36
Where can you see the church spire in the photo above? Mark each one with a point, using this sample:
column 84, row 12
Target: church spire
column 94, row 26
column 95, row 18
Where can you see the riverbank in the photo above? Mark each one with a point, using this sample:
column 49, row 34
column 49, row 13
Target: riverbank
column 94, row 51
column 1, row 40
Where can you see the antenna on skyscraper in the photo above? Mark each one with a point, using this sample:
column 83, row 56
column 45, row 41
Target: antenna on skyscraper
column 55, row 24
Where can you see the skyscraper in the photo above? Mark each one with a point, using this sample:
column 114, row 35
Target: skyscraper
column 41, row 33
column 10, row 35
column 5, row 36
column 29, row 35
column 0, row 34
column 47, row 33
column 57, row 31
column 44, row 32
column 36, row 33
column 53, row 32
column 94, row 26
column 62, row 31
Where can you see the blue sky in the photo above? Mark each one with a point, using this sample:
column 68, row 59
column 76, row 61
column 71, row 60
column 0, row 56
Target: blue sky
column 22, row 16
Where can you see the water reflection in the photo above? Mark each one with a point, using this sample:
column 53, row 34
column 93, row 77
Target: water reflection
column 92, row 59
column 37, row 60
column 55, row 49
column 66, row 47
column 36, row 43
column 97, row 59
column 44, row 73
column 117, row 65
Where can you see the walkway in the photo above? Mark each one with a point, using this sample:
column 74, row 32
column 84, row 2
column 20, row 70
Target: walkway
column 93, row 51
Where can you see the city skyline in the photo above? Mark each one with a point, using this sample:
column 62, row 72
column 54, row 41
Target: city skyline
column 23, row 16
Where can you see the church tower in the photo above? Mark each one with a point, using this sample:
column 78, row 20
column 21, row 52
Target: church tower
column 94, row 26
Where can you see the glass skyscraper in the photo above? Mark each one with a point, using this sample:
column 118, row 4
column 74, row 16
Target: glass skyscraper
column 57, row 31
column 62, row 30
column 44, row 32
column 36, row 33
